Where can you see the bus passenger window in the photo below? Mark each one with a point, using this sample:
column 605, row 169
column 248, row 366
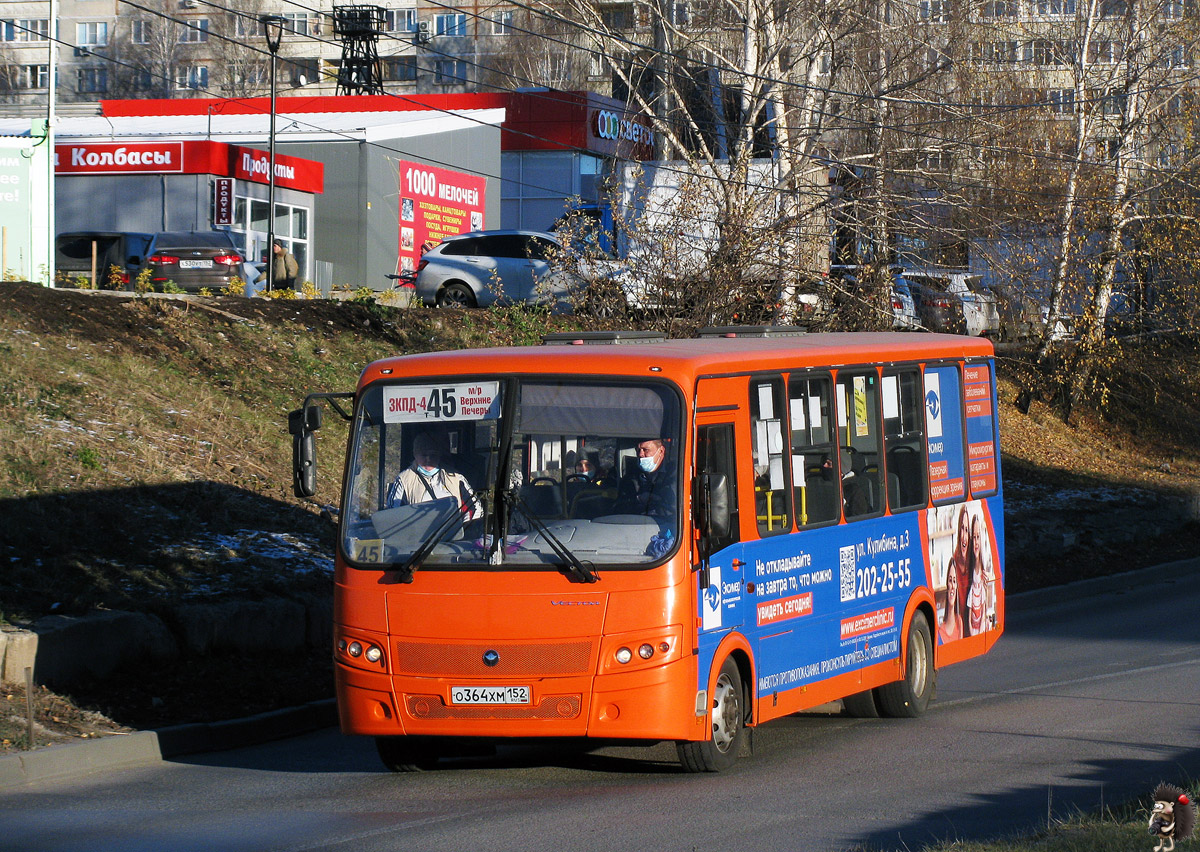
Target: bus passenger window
column 814, row 468
column 904, row 440
column 714, row 454
column 859, row 444
column 766, row 441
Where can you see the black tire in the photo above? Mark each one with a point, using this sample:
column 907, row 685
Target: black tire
column 456, row 295
column 406, row 754
column 721, row 750
column 908, row 697
column 861, row 705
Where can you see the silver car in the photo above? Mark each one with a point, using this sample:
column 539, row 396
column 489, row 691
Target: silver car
column 481, row 268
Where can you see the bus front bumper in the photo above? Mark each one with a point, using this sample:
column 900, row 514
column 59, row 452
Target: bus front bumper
column 656, row 703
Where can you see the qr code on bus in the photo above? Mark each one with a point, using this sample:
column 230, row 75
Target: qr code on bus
column 846, row 563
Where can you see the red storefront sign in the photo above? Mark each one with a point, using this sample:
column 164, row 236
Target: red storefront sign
column 435, row 204
column 98, row 158
column 189, row 157
column 223, row 201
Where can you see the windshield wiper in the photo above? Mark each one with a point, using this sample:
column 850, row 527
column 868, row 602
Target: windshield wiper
column 586, row 572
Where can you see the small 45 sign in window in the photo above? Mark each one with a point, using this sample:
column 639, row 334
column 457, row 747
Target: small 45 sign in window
column 421, row 403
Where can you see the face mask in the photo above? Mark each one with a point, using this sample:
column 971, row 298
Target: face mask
column 428, row 471
column 648, row 463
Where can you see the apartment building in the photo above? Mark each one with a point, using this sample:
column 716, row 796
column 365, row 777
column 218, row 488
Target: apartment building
column 216, row 48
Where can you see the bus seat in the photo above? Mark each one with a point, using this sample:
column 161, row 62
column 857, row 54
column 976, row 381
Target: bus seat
column 593, row 502
column 545, row 501
column 819, row 496
column 893, row 489
column 870, row 478
column 906, row 465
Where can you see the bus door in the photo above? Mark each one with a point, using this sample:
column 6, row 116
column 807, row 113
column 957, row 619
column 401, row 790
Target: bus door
column 720, row 560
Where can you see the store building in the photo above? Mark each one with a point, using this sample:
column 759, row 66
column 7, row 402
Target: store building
column 362, row 182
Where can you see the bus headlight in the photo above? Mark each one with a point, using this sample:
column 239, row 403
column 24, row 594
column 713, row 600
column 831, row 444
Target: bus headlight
column 355, row 649
column 624, row 655
column 646, row 650
column 374, row 653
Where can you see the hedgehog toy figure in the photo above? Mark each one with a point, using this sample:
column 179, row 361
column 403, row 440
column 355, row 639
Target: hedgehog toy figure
column 1171, row 818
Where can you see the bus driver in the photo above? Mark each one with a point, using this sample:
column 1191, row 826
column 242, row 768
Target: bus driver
column 427, row 479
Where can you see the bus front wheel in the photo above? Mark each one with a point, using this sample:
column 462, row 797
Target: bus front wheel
column 909, row 696
column 720, row 751
column 406, row 754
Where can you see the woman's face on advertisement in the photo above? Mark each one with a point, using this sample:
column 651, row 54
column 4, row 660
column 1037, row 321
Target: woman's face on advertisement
column 977, row 537
column 964, row 532
column 952, row 588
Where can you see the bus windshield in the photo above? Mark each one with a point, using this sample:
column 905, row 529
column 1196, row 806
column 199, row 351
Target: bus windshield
column 471, row 473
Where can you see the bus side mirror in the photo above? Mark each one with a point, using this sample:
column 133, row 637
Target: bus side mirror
column 713, row 506
column 301, row 424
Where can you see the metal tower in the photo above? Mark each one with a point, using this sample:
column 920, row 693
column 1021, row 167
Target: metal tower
column 359, row 27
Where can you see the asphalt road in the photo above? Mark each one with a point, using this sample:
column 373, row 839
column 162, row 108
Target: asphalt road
column 1091, row 697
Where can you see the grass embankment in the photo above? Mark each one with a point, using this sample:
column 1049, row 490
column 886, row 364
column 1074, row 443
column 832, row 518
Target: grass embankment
column 137, row 435
column 1120, row 829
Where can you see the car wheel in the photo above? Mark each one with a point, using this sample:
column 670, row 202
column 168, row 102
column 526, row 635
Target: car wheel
column 456, row 295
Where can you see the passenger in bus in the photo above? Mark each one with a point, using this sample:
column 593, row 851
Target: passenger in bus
column 649, row 489
column 428, row 479
column 951, row 626
column 855, row 497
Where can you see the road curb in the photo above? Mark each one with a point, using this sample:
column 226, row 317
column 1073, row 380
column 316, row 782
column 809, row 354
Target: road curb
column 118, row 751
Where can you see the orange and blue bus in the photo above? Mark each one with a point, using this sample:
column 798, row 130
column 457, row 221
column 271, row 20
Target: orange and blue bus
column 626, row 537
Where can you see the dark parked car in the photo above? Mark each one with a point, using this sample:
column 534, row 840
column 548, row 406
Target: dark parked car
column 193, row 260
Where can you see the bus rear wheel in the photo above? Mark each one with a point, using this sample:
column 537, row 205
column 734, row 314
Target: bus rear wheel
column 720, row 751
column 861, row 705
column 406, row 754
column 909, row 696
